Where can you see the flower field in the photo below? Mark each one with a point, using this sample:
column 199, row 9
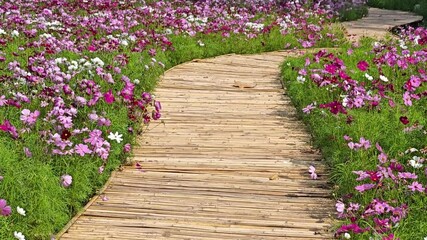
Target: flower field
column 76, row 77
column 367, row 110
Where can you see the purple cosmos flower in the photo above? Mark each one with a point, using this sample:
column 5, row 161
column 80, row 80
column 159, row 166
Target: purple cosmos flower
column 29, row 117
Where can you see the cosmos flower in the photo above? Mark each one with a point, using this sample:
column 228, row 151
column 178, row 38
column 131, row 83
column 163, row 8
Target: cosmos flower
column 115, row 136
column 5, row 210
column 66, row 180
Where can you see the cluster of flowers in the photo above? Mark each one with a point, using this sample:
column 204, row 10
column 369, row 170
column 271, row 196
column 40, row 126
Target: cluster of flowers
column 394, row 79
column 369, row 92
column 390, row 175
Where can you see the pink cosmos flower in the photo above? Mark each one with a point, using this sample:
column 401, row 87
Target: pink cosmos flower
column 27, row 152
column 416, row 187
column 308, row 108
column 362, row 175
column 312, row 171
column 407, row 98
column 66, row 180
column 382, row 157
column 28, row 117
column 379, row 148
column 364, row 143
column 364, row 187
column 126, row 148
column 82, row 149
column 5, row 210
column 3, row 100
column 407, row 175
column 340, row 206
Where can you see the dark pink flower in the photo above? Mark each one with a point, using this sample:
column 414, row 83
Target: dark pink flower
column 335, row 107
column 8, row 127
column 109, row 97
column 363, row 65
column 404, row 120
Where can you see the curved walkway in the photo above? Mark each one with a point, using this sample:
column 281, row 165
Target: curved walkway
column 379, row 23
column 230, row 162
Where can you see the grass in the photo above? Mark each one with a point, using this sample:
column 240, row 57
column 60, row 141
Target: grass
column 353, row 13
column 380, row 124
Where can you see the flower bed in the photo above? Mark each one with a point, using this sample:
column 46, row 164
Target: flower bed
column 366, row 106
column 75, row 80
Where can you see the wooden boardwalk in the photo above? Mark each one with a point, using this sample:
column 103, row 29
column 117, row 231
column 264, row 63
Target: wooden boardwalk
column 230, row 162
column 378, row 23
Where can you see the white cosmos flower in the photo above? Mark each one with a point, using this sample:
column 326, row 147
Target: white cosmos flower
column 124, row 42
column 115, row 136
column 2, row 31
column 98, row 61
column 416, row 162
column 20, row 211
column 383, row 78
column 347, row 236
column 14, row 33
column 136, row 81
column 301, row 79
column 369, row 77
column 19, row 235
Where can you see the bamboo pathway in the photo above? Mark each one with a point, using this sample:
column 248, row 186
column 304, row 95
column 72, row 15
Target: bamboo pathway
column 230, row 162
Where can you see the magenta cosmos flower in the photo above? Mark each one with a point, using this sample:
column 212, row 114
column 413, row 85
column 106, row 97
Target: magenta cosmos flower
column 363, row 65
column 5, row 210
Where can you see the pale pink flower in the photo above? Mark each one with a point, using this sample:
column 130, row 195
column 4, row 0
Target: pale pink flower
column 82, row 149
column 66, row 180
column 312, row 171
